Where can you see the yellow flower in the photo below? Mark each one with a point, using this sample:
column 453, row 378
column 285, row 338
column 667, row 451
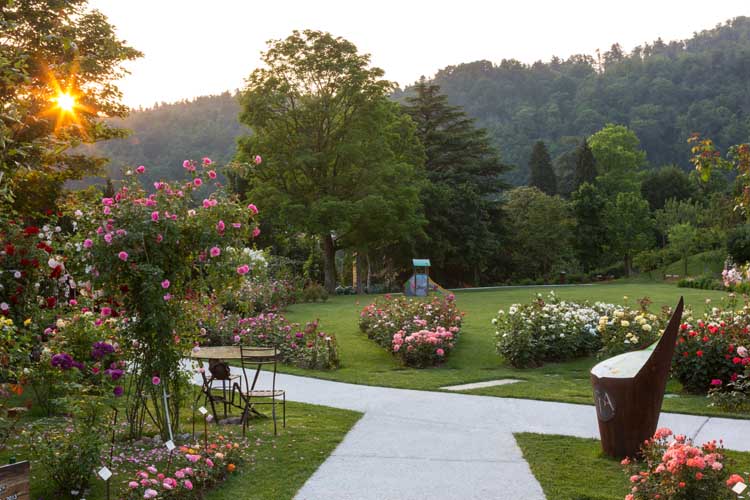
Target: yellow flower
column 646, row 328
column 27, row 322
column 624, row 323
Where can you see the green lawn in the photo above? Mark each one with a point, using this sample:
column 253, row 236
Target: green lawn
column 275, row 466
column 559, row 463
column 474, row 359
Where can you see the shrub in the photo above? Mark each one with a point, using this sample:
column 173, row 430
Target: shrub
column 419, row 332
column 628, row 330
column 196, row 469
column 304, row 347
column 260, row 294
column 314, row 292
column 738, row 243
column 547, row 330
column 677, row 470
column 710, row 349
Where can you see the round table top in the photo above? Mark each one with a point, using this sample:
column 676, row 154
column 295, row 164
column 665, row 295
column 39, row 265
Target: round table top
column 230, row 352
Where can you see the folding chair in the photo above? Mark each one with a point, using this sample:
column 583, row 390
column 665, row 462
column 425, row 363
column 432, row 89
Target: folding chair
column 254, row 358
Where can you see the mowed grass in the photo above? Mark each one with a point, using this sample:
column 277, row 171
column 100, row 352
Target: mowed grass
column 475, row 359
column 560, row 462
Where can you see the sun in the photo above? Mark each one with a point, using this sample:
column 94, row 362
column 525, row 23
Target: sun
column 66, row 102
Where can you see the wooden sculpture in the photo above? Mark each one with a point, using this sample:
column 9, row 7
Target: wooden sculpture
column 629, row 390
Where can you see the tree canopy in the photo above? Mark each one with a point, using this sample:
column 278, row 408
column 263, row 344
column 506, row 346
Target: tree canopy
column 338, row 158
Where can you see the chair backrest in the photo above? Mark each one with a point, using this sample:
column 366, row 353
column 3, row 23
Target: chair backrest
column 256, row 357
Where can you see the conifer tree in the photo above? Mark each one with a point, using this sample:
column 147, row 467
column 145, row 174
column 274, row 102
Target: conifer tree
column 585, row 164
column 542, row 175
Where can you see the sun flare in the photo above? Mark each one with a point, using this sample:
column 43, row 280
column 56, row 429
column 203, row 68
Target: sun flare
column 66, row 102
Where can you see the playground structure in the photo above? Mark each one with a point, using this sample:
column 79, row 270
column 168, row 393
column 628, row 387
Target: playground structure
column 420, row 284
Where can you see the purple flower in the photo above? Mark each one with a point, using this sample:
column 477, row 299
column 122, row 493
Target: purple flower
column 63, row 360
column 114, row 373
column 101, row 349
column 118, row 390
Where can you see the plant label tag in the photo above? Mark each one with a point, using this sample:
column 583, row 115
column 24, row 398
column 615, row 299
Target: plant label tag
column 739, row 488
column 170, row 445
column 105, row 473
column 203, row 410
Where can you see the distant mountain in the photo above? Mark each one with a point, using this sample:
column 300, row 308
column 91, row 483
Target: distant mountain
column 663, row 91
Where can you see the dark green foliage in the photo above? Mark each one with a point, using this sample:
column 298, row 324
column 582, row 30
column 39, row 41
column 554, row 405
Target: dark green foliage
column 165, row 135
column 662, row 91
column 541, row 174
column 461, row 199
column 590, row 233
column 667, row 183
column 738, row 244
column 629, row 226
column 585, row 165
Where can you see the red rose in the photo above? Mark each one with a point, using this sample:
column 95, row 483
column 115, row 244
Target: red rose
column 10, row 249
column 699, row 354
column 31, row 231
column 51, row 302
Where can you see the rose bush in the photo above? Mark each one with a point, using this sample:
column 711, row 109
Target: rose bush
column 673, row 468
column 626, row 329
column 419, row 332
column 711, row 349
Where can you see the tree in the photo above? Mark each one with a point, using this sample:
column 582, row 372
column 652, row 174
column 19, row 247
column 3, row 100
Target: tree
column 590, row 233
column 619, row 158
column 541, row 173
column 58, row 62
column 462, row 200
column 683, row 238
column 539, row 229
column 334, row 148
column 628, row 226
column 585, row 164
column 668, row 182
column 676, row 212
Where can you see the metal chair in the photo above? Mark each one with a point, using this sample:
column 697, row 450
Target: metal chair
column 254, row 358
column 218, row 372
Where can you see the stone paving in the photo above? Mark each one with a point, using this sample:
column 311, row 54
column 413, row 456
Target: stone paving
column 412, row 445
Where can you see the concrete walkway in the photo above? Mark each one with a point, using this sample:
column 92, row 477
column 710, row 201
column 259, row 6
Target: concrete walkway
column 412, row 445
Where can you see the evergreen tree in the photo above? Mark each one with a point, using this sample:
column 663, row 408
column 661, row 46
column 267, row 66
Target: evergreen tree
column 462, row 199
column 585, row 164
column 542, row 175
column 590, row 233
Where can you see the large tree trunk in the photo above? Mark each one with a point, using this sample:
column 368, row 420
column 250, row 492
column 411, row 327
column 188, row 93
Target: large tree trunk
column 359, row 263
column 329, row 262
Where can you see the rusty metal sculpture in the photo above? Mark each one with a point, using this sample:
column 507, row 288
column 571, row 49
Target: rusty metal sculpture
column 629, row 390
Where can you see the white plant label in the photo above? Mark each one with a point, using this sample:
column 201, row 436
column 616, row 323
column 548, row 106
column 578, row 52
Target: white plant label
column 170, row 445
column 105, row 473
column 739, row 488
column 203, row 410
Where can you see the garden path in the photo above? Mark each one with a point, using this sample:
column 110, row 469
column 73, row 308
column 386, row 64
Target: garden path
column 434, row 445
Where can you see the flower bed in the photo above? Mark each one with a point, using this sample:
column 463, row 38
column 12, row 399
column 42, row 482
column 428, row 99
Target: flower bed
column 550, row 329
column 420, row 333
column 676, row 469
column 712, row 350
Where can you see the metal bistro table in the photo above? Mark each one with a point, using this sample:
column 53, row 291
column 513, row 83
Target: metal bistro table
column 220, row 372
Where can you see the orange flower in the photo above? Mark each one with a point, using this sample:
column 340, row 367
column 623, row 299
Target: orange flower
column 231, row 467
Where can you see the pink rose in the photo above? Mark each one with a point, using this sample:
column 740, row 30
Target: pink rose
column 140, row 169
column 243, row 269
column 106, row 311
column 165, row 284
column 155, row 380
column 256, row 232
column 87, row 243
column 220, row 226
column 123, row 256
column 154, row 216
column 212, row 174
column 167, row 296
column 206, row 160
column 197, row 182
column 258, row 160
column 187, row 484
column 252, row 208
column 215, row 251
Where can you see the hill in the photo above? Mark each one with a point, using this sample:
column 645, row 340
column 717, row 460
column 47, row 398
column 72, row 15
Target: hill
column 663, row 91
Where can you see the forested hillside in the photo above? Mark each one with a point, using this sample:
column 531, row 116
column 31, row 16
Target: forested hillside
column 163, row 136
column 663, row 91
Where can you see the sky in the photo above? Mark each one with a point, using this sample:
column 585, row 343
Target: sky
column 194, row 48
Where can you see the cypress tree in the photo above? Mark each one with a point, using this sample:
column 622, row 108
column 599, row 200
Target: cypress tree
column 585, row 165
column 542, row 175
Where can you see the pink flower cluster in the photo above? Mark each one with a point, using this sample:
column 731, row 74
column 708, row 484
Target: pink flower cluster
column 676, row 466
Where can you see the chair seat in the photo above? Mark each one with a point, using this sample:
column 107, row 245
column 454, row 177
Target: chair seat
column 262, row 394
column 231, row 377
